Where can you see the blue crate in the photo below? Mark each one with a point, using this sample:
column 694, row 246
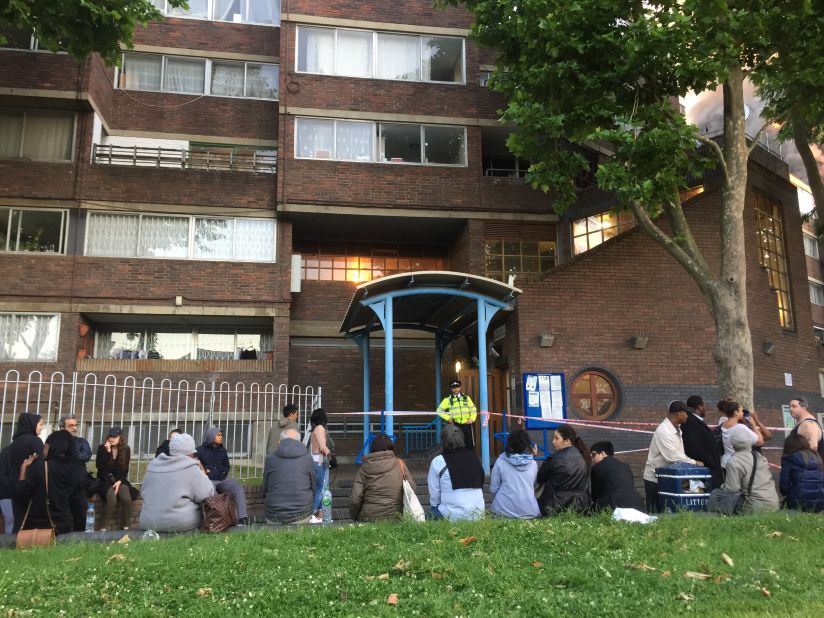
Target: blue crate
column 673, row 487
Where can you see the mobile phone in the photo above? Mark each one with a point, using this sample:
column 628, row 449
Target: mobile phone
column 747, row 414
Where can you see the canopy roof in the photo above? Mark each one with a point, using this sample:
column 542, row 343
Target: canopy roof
column 436, row 301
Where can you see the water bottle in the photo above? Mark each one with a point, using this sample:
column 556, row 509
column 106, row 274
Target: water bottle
column 327, row 503
column 150, row 535
column 90, row 518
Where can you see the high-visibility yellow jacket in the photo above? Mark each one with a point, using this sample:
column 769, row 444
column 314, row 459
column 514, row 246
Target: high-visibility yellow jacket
column 458, row 408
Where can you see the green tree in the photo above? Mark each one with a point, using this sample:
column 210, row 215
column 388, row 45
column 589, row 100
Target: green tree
column 607, row 71
column 81, row 27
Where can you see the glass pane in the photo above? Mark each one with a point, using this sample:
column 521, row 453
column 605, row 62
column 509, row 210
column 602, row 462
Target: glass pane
column 40, row 231
column 529, row 264
column 11, row 133
column 48, row 135
column 580, row 244
column 187, row 75
column 354, row 53
column 594, row 223
column 111, row 344
column 603, row 406
column 173, row 345
column 219, row 346
column 399, row 57
column 581, row 385
column 227, row 79
column 445, row 145
column 585, row 405
column 595, row 239
column 353, row 141
column 164, row 237
column 609, row 220
column 610, row 233
column 443, row 59
column 512, row 264
column 197, row 8
column 214, row 239
column 512, row 247
column 316, row 50
column 529, row 247
column 546, row 248
column 579, row 227
column 493, row 246
column 494, row 264
column 228, row 10
column 314, row 138
column 255, row 240
column 262, row 81
column 141, row 72
column 263, row 12
column 547, row 264
column 602, row 386
column 28, row 337
column 113, row 235
column 401, row 143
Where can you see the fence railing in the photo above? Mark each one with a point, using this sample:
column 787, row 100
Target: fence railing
column 145, row 156
column 147, row 409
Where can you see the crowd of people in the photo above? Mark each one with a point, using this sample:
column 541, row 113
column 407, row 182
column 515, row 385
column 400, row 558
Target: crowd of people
column 47, row 485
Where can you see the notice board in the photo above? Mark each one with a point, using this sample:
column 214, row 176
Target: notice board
column 544, row 400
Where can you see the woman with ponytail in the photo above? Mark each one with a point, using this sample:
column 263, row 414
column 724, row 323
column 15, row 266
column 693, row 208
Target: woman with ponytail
column 565, row 475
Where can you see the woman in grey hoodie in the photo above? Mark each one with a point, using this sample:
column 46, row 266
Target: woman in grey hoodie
column 513, row 479
column 174, row 487
column 763, row 498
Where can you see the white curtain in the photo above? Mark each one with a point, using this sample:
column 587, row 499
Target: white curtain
column 197, row 8
column 354, row 141
column 28, row 337
column 214, row 239
column 225, row 10
column 255, row 240
column 164, row 237
column 11, row 133
column 184, row 75
column 262, row 81
column 264, row 12
column 141, row 72
column 316, row 50
column 354, row 53
column 314, row 138
column 399, row 57
column 48, row 135
column 112, row 235
column 227, row 79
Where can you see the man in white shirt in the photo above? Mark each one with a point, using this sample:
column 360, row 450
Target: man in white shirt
column 666, row 448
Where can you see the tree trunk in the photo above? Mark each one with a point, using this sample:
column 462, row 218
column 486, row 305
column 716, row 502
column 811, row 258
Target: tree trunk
column 801, row 139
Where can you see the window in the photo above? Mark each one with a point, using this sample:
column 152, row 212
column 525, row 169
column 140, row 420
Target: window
column 349, row 140
column 186, row 75
column 811, row 246
column 354, row 262
column 31, row 336
column 484, row 78
column 33, row 230
column 771, row 255
column 180, row 343
column 261, row 12
column 816, row 293
column 509, row 256
column 594, row 395
column 44, row 135
column 362, row 53
column 180, row 237
column 592, row 231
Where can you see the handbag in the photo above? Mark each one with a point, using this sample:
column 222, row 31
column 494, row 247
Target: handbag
column 218, row 513
column 731, row 502
column 37, row 537
column 333, row 461
column 411, row 505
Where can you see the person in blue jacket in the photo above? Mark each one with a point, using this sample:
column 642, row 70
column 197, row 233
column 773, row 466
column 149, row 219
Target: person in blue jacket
column 215, row 459
column 802, row 475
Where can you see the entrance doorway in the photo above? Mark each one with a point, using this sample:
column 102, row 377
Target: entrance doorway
column 496, row 389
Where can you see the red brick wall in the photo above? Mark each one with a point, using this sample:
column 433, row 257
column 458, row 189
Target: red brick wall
column 41, row 70
column 211, row 35
column 420, row 12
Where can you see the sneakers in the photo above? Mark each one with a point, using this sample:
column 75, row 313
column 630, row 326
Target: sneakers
column 315, row 520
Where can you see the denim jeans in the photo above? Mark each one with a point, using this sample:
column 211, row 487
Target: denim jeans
column 320, row 476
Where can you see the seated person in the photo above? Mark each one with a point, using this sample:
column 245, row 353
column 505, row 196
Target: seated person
column 763, row 498
column 215, row 459
column 377, row 493
column 802, row 475
column 164, row 446
column 565, row 474
column 173, row 488
column 613, row 484
column 289, row 481
column 456, row 480
column 513, row 479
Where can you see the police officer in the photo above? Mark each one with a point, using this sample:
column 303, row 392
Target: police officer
column 459, row 409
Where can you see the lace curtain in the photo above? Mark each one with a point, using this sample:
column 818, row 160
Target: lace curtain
column 28, row 337
column 141, row 72
column 255, row 240
column 354, row 141
column 354, row 53
column 112, row 235
column 184, row 75
column 262, row 81
column 164, row 237
column 227, row 79
column 399, row 57
column 316, row 50
column 314, row 138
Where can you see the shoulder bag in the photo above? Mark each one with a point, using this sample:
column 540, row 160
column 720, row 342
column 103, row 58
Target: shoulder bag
column 218, row 513
column 411, row 505
column 731, row 502
column 38, row 537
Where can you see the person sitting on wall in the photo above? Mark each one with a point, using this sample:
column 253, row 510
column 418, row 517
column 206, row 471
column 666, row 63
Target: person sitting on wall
column 289, row 481
column 215, row 459
column 164, row 446
column 513, row 478
column 613, row 484
column 289, row 421
column 564, row 476
column 377, row 493
column 113, row 459
column 455, row 480
column 458, row 408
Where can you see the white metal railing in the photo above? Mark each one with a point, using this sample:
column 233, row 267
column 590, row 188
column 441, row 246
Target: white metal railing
column 147, row 410
column 147, row 156
column 767, row 142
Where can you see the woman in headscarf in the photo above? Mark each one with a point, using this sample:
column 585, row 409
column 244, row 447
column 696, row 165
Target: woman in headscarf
column 25, row 442
column 455, row 480
column 377, row 493
column 215, row 459
column 113, row 458
column 565, row 474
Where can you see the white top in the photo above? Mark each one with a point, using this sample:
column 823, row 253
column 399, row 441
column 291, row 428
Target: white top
column 726, row 437
column 453, row 504
column 666, row 448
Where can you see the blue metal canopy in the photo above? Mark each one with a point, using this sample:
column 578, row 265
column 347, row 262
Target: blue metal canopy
column 445, row 303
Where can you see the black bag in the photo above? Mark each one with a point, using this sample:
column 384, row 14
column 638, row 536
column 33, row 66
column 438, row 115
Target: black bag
column 731, row 502
column 333, row 461
column 248, row 354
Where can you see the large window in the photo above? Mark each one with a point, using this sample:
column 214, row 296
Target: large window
column 592, row 231
column 181, row 237
column 180, row 343
column 362, row 53
column 261, row 12
column 358, row 262
column 772, row 256
column 811, row 246
column 349, row 140
column 816, row 293
column 29, row 336
column 33, row 230
column 187, row 75
column 46, row 135
column 512, row 256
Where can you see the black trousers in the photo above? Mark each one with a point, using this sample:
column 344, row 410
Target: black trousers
column 651, row 491
column 468, row 430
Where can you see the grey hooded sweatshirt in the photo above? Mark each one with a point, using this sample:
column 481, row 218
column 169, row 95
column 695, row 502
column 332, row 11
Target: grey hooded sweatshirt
column 764, row 497
column 275, row 432
column 513, row 486
column 172, row 490
column 288, row 482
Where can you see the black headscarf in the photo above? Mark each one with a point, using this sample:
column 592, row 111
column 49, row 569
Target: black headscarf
column 465, row 470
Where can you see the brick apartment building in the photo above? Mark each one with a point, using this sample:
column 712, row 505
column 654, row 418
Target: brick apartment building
column 150, row 214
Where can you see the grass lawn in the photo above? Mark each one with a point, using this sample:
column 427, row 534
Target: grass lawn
column 563, row 566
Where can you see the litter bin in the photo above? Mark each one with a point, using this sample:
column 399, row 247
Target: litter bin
column 678, row 488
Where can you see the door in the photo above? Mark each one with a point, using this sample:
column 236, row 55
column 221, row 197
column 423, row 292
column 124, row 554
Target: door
column 496, row 382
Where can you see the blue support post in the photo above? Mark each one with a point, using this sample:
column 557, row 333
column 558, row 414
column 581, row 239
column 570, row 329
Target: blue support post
column 383, row 309
column 485, row 313
column 363, row 343
column 439, row 347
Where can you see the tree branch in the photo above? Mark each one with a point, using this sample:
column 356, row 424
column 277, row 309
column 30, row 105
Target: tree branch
column 718, row 152
column 682, row 233
column 758, row 136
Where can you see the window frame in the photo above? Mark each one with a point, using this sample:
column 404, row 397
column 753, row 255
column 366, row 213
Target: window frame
column 504, row 274
column 56, row 351
column 64, row 231
column 816, row 289
column 619, row 227
column 616, row 394
column 771, row 238
column 810, row 241
column 25, row 111
column 373, row 69
column 210, row 10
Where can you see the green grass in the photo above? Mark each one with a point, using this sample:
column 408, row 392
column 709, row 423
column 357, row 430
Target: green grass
column 564, row 566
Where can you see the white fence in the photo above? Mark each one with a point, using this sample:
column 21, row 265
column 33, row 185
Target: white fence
column 147, row 410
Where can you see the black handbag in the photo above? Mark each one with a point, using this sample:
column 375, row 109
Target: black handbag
column 333, row 461
column 731, row 502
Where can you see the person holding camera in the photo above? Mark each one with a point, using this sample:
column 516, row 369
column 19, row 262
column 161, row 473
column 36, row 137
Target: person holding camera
column 732, row 424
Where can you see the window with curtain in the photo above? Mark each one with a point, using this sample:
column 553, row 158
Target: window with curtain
column 816, row 293
column 33, row 230
column 316, row 50
column 228, row 78
column 141, row 72
column 185, row 75
column 399, row 57
column 262, row 81
column 44, row 135
column 811, row 246
column 353, row 141
column 354, row 53
column 30, row 337
column 261, row 12
column 163, row 236
column 112, row 234
column 179, row 343
column 197, row 8
column 314, row 139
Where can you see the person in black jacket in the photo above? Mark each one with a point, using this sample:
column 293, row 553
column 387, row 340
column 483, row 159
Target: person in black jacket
column 113, row 459
column 164, row 446
column 699, row 441
column 613, row 485
column 67, row 483
column 565, row 475
column 215, row 459
column 25, row 442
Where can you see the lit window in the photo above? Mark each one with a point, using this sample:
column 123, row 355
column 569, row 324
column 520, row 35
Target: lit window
column 592, row 231
column 811, row 246
column 508, row 256
column 594, row 395
column 33, row 230
column 36, row 134
column 816, row 293
column 30, row 337
column 356, row 263
column 771, row 255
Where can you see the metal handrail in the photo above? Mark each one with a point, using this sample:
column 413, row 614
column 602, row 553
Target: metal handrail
column 179, row 158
